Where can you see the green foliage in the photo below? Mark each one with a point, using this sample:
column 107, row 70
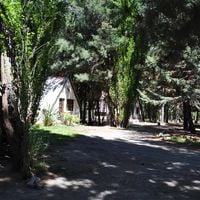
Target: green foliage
column 37, row 144
column 126, row 72
column 84, row 42
column 54, row 134
column 39, row 167
column 87, row 46
column 70, row 119
column 29, row 33
column 101, row 51
column 172, row 57
column 171, row 73
column 48, row 116
column 41, row 137
column 184, row 139
column 124, row 81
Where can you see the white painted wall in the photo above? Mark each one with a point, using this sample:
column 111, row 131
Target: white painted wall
column 56, row 88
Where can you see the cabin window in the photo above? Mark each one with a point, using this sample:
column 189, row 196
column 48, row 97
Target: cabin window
column 70, row 104
column 61, row 105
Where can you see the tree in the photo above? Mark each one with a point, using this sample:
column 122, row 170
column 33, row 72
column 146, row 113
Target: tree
column 28, row 34
column 107, row 49
column 172, row 58
column 128, row 59
column 85, row 50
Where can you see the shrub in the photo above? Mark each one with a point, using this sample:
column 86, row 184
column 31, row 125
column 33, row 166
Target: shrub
column 39, row 167
column 37, row 144
column 76, row 119
column 70, row 119
column 48, row 116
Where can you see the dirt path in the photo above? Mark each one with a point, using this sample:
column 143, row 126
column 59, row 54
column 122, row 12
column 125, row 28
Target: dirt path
column 114, row 164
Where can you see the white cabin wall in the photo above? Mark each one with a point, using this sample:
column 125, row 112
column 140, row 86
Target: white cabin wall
column 71, row 95
column 55, row 89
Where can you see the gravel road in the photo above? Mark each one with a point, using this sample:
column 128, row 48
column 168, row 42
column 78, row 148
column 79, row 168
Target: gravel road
column 106, row 163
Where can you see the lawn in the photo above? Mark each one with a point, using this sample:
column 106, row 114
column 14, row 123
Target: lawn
column 42, row 137
column 193, row 140
column 54, row 134
column 182, row 138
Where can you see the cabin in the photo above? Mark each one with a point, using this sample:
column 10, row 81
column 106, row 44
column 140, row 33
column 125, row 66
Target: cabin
column 136, row 114
column 59, row 96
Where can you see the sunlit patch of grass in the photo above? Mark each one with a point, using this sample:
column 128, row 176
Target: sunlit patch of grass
column 178, row 139
column 54, row 134
column 185, row 139
column 64, row 130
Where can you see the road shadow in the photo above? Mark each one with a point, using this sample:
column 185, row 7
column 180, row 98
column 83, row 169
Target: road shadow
column 159, row 129
column 93, row 168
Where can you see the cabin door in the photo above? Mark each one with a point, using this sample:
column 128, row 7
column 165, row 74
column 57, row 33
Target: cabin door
column 61, row 105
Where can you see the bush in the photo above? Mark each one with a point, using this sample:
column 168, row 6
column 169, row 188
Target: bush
column 37, row 143
column 39, row 167
column 69, row 119
column 48, row 116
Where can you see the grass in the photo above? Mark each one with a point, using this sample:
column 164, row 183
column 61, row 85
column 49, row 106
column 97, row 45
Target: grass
column 43, row 136
column 54, row 134
column 184, row 139
column 178, row 139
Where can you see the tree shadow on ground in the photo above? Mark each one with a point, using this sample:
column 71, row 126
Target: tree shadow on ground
column 150, row 129
column 93, row 168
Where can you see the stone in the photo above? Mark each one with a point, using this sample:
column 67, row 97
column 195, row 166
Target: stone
column 34, row 182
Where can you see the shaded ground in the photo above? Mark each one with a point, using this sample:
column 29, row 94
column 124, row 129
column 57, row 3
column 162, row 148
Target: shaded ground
column 107, row 164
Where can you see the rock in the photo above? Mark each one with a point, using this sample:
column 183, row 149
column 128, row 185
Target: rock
column 160, row 134
column 164, row 134
column 167, row 135
column 34, row 182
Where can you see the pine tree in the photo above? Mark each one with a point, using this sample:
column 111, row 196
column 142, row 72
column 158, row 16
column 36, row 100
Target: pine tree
column 172, row 59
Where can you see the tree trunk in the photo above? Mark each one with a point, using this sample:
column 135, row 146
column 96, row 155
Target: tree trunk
column 7, row 126
column 83, row 111
column 197, row 117
column 166, row 113
column 1, row 111
column 89, row 113
column 1, row 121
column 111, row 108
column 127, row 112
column 23, row 159
column 149, row 111
column 98, row 113
column 142, row 111
column 187, row 115
column 16, row 133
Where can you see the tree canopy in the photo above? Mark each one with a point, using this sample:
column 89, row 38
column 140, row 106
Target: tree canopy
column 172, row 64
